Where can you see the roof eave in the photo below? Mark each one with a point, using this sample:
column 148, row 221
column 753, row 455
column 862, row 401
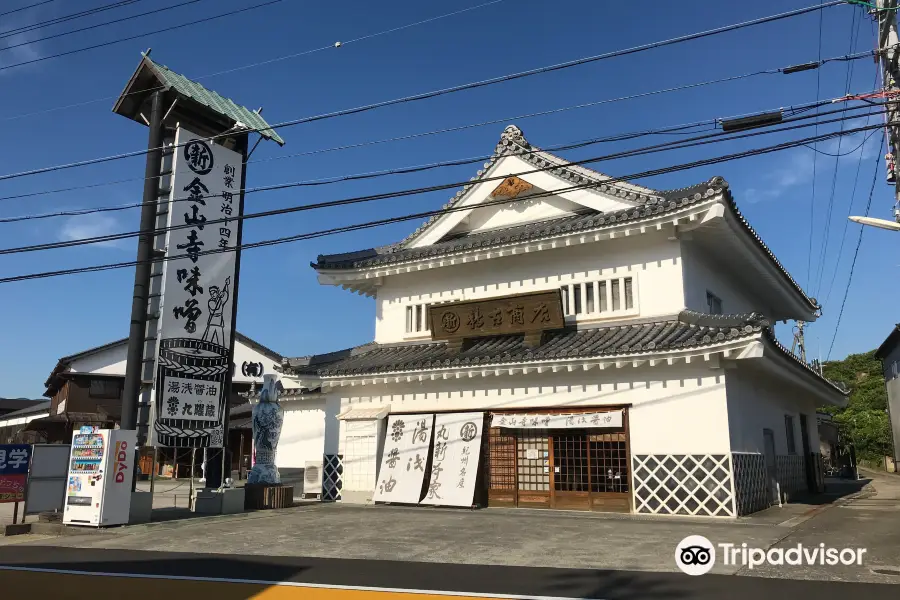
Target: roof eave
column 888, row 344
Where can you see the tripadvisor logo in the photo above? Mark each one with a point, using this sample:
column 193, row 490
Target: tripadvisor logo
column 696, row 555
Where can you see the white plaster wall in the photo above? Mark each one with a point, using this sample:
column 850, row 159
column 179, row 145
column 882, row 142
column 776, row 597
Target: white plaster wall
column 112, row 362
column 513, row 165
column 757, row 401
column 700, row 275
column 679, row 409
column 654, row 259
column 108, row 362
column 302, row 434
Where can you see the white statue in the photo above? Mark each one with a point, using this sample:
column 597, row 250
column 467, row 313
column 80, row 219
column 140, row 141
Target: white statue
column 267, row 419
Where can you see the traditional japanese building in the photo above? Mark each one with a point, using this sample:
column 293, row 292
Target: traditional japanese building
column 615, row 343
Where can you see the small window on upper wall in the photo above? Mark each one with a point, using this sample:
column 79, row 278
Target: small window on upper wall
column 713, row 304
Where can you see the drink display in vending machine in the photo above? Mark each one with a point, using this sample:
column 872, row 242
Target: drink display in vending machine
column 101, row 470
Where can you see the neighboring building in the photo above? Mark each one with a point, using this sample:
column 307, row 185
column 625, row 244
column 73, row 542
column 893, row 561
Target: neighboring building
column 889, row 354
column 8, row 405
column 669, row 300
column 13, row 423
column 86, row 389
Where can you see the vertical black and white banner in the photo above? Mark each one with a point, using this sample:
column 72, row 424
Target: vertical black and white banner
column 454, row 459
column 195, row 339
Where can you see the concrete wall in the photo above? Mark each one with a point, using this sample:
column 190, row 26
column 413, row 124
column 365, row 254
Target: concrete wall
column 652, row 259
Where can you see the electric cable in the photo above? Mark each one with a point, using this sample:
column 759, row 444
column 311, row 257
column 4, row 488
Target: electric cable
column 820, row 271
column 862, row 229
column 70, row 17
column 457, row 88
column 679, row 144
column 21, row 8
column 256, row 64
column 140, row 35
column 794, row 109
column 849, row 210
column 99, row 25
column 650, row 173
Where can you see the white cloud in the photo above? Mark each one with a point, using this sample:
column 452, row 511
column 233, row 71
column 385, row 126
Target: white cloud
column 87, row 226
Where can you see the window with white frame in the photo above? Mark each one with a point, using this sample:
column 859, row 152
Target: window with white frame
column 599, row 297
column 417, row 319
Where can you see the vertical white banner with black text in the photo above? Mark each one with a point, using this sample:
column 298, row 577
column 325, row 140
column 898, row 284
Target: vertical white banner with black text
column 454, row 459
column 405, row 459
column 198, row 294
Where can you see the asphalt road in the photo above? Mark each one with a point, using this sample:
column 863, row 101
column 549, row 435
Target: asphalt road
column 53, row 572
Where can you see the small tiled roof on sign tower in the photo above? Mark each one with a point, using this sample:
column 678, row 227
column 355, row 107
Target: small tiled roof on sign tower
column 181, row 85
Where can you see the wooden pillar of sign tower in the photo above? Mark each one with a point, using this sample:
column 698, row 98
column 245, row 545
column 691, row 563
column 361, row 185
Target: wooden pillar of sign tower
column 169, row 103
column 889, row 54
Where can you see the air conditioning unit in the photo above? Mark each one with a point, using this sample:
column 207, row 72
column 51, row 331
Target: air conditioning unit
column 312, row 480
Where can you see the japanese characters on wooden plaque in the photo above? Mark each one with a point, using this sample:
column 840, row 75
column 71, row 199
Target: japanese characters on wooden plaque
column 524, row 313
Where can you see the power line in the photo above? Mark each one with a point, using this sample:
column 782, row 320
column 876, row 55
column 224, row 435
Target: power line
column 140, row 35
column 70, row 17
column 854, row 37
column 457, row 88
column 457, row 162
column 490, row 122
column 277, row 241
column 676, row 145
column 812, row 199
column 257, row 64
column 98, row 25
column 862, row 229
column 849, row 210
column 35, row 5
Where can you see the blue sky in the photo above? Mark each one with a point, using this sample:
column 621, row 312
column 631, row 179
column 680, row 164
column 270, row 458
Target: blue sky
column 281, row 304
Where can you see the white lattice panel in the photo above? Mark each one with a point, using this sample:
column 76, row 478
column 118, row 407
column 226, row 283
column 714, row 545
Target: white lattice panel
column 684, row 484
column 332, row 478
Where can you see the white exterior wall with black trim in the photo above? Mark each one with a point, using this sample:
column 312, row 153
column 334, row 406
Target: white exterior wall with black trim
column 652, row 259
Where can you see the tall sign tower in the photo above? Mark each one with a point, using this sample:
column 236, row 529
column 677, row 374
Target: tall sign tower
column 177, row 390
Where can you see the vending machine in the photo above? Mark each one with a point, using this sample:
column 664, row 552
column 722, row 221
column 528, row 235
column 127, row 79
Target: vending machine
column 101, row 469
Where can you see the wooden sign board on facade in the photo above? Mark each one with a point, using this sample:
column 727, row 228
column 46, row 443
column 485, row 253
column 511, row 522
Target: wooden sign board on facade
column 524, row 313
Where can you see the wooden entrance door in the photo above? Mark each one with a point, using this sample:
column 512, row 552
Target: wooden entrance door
column 571, row 472
column 501, row 467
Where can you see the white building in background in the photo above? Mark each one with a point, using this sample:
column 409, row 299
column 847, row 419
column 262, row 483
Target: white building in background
column 669, row 298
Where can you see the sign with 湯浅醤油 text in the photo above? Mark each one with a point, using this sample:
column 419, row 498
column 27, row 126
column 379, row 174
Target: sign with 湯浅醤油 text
column 609, row 419
column 454, row 459
column 404, row 459
column 198, row 293
column 524, row 313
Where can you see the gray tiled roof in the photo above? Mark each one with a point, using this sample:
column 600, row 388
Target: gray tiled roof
column 583, row 221
column 687, row 331
column 648, row 204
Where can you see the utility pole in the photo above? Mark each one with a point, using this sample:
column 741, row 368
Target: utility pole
column 799, row 343
column 890, row 70
column 137, row 331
